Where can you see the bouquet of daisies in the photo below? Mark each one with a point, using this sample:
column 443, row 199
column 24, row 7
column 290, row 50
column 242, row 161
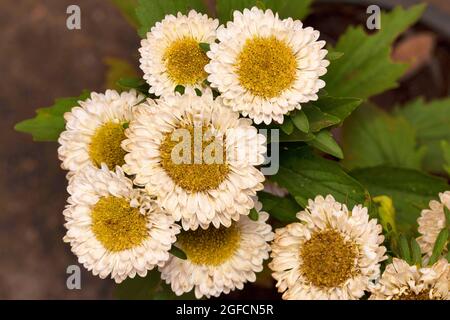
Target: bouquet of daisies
column 168, row 176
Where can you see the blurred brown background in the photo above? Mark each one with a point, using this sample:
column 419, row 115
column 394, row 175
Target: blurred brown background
column 40, row 59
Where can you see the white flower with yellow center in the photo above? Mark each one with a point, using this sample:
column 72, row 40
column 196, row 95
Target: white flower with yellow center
column 95, row 130
column 400, row 281
column 114, row 229
column 219, row 260
column 431, row 222
column 171, row 54
column 198, row 157
column 265, row 67
column 332, row 253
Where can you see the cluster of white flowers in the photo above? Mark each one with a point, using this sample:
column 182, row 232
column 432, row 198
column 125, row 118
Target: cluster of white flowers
column 130, row 201
column 334, row 253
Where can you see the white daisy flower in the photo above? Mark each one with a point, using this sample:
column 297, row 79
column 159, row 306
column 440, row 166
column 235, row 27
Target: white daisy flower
column 171, row 54
column 219, row 260
column 265, row 67
column 114, row 229
column 431, row 222
column 198, row 157
column 332, row 253
column 95, row 130
column 400, row 281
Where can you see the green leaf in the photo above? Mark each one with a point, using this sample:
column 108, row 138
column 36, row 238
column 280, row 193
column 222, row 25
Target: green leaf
column 445, row 146
column 306, row 175
column 334, row 55
column 372, row 137
column 416, row 253
column 139, row 288
column 283, row 209
column 180, row 89
column 205, row 46
column 325, row 142
column 431, row 122
column 294, row 9
column 404, row 249
column 128, row 9
column 411, row 190
column 318, row 119
column 313, row 117
column 149, row 12
column 260, row 4
column 253, row 215
column 287, row 126
column 295, row 136
column 322, row 93
column 225, row 8
column 338, row 107
column 116, row 70
column 134, row 83
column 49, row 122
column 447, row 216
column 439, row 246
column 366, row 68
column 177, row 252
column 300, row 120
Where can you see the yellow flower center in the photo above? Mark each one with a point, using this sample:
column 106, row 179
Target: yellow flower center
column 422, row 295
column 211, row 246
column 106, row 147
column 185, row 61
column 196, row 163
column 266, row 66
column 117, row 225
column 328, row 260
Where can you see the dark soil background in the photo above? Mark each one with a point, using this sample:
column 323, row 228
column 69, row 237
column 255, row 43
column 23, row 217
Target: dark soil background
column 40, row 59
